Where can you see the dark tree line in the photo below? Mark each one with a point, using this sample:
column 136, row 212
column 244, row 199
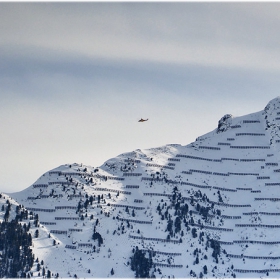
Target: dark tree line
column 15, row 242
column 141, row 264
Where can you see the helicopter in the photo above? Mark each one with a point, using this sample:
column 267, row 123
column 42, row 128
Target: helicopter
column 142, row 120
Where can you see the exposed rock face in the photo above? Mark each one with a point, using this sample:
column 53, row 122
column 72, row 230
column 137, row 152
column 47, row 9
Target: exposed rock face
column 224, row 123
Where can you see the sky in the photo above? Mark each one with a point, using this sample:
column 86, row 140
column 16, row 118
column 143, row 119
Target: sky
column 75, row 78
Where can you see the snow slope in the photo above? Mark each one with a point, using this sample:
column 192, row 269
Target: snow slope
column 233, row 170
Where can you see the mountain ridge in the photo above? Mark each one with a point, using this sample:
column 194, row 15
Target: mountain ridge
column 207, row 209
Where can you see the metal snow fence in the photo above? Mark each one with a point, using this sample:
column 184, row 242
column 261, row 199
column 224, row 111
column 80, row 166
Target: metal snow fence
column 128, row 206
column 70, row 247
column 58, row 231
column 158, row 165
column 65, row 207
column 223, row 144
column 250, row 134
column 132, row 186
column 40, row 185
column 251, row 121
column 126, row 174
column 173, row 159
column 40, row 209
column 209, row 148
column 250, row 147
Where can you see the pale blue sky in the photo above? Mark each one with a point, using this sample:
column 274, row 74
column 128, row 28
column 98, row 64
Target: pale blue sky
column 76, row 77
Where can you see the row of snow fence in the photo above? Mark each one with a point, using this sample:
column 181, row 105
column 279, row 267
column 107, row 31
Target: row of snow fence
column 65, row 207
column 250, row 147
column 48, row 223
column 54, row 173
column 126, row 174
column 276, row 170
column 138, row 200
column 173, row 159
column 66, row 218
column 132, row 207
column 56, row 231
column 195, row 185
column 224, row 189
column 70, row 247
column 111, row 190
column 250, row 213
column 230, row 217
column 271, row 163
column 40, row 185
column 73, row 173
column 263, row 178
column 172, row 181
column 132, row 186
column 250, row 134
column 158, row 194
column 151, row 179
column 266, row 198
column 256, row 242
column 253, row 257
column 193, row 157
column 115, row 178
column 223, row 144
column 225, row 242
column 84, row 244
column 162, row 253
column 200, row 171
column 262, row 213
column 132, row 160
column 101, row 177
column 135, row 221
column 159, row 165
column 222, row 216
column 229, row 205
column 76, row 195
column 220, row 174
column 168, row 265
column 186, row 172
column 270, row 214
column 243, row 174
column 257, row 225
column 61, row 183
column 272, row 184
column 256, row 270
column 252, row 159
column 251, row 121
column 209, row 148
column 230, row 139
column 211, row 228
column 257, row 191
column 155, row 239
column 40, row 209
column 75, row 229
column 234, row 159
column 244, row 189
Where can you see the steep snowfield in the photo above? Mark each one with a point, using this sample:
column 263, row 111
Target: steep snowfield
column 233, row 170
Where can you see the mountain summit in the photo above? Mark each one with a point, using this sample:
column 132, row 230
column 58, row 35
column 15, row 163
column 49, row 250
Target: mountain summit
column 207, row 209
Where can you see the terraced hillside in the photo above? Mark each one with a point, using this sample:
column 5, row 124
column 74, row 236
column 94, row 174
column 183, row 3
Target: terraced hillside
column 208, row 209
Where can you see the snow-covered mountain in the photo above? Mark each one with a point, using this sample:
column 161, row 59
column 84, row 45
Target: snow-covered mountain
column 208, row 209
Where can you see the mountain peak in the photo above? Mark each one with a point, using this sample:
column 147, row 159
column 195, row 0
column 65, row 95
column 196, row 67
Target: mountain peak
column 273, row 104
column 208, row 209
